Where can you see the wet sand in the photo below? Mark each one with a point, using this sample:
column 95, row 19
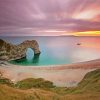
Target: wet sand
column 61, row 75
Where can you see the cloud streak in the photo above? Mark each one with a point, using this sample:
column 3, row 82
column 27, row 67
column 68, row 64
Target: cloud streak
column 40, row 17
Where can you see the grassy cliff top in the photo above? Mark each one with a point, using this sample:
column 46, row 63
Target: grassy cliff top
column 87, row 89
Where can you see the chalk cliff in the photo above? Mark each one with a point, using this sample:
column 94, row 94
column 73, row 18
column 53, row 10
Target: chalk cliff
column 9, row 51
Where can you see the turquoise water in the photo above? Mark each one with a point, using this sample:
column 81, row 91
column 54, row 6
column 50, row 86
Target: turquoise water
column 58, row 50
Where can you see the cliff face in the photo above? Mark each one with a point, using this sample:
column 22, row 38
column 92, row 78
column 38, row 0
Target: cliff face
column 11, row 52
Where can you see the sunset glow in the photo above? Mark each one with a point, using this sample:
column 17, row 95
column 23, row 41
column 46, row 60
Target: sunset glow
column 88, row 33
column 86, row 15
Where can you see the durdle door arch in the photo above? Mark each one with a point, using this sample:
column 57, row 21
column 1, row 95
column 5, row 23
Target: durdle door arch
column 12, row 52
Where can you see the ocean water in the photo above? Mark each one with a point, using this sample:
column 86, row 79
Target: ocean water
column 58, row 50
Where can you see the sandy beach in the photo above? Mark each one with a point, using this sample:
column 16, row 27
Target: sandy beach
column 61, row 75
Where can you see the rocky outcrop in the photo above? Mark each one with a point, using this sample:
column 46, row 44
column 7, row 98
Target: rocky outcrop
column 12, row 52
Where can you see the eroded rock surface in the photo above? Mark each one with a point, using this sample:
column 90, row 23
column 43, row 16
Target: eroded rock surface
column 12, row 52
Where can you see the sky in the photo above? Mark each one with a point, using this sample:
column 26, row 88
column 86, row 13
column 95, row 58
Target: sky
column 49, row 17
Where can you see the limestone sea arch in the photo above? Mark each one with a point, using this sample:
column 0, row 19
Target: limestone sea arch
column 10, row 51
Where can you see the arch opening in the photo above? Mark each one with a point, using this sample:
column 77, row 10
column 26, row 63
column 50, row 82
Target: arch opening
column 31, row 56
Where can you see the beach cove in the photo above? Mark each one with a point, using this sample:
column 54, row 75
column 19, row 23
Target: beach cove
column 61, row 75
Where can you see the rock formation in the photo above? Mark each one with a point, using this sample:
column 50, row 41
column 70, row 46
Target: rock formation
column 12, row 52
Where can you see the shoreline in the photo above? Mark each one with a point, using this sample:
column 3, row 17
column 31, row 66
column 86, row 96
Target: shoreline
column 85, row 65
column 68, row 75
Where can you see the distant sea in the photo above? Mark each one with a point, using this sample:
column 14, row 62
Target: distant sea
column 58, row 50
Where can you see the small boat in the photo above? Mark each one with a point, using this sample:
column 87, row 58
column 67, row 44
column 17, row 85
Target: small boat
column 78, row 43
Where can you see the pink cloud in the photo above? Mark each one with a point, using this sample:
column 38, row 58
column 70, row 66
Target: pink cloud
column 32, row 16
